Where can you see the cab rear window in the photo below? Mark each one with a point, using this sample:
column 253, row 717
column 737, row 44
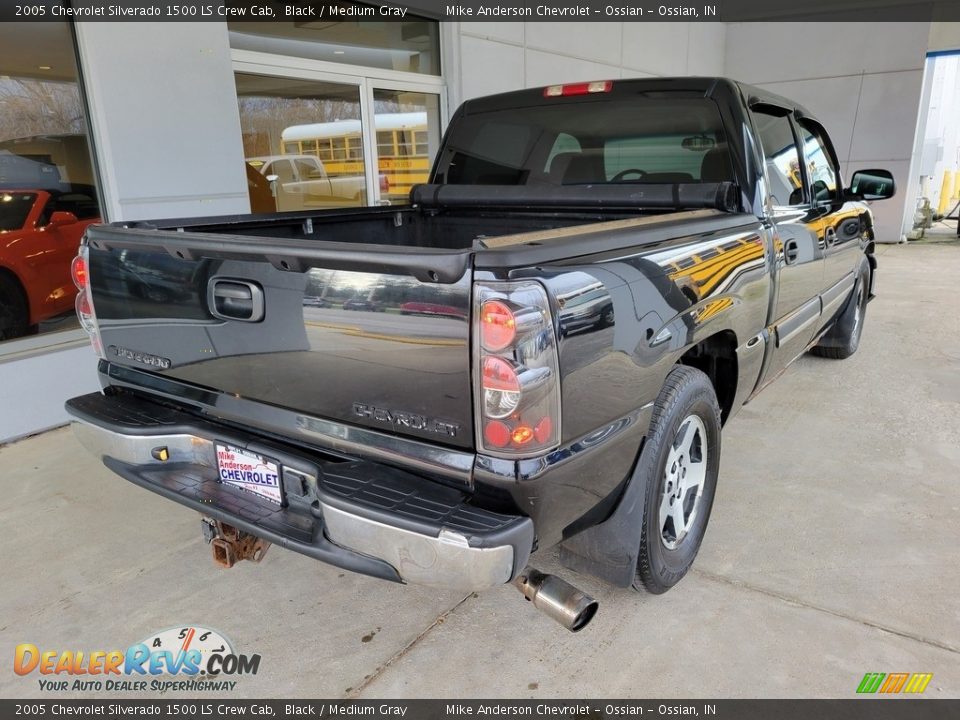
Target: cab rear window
column 632, row 140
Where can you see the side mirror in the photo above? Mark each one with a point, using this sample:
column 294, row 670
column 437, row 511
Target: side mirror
column 62, row 217
column 272, row 179
column 871, row 185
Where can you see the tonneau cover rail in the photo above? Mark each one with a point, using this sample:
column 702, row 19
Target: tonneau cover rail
column 722, row 196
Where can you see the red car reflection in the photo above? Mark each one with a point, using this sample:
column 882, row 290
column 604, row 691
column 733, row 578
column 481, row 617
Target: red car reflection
column 40, row 231
column 428, row 308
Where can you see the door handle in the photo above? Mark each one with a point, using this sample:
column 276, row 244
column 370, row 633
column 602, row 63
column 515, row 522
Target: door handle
column 235, row 300
column 791, row 251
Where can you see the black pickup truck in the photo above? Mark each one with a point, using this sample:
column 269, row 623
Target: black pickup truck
column 540, row 349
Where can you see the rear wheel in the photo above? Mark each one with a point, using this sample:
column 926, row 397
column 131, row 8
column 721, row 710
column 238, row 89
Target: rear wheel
column 843, row 339
column 14, row 311
column 681, row 461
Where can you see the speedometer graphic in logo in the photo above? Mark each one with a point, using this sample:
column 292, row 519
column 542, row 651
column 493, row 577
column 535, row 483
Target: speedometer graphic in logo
column 186, row 638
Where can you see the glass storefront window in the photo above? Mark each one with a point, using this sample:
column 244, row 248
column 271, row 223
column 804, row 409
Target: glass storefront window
column 47, row 192
column 408, row 135
column 301, row 143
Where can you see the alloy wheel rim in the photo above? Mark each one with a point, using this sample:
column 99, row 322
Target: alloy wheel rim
column 684, row 476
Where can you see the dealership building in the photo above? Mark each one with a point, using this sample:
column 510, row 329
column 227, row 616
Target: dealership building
column 140, row 120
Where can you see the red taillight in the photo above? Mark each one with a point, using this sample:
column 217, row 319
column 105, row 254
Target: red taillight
column 85, row 315
column 83, row 305
column 517, row 369
column 543, row 430
column 497, row 434
column 78, row 271
column 499, row 375
column 501, row 387
column 585, row 88
column 498, row 326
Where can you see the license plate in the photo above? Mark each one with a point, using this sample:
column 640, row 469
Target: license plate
column 248, row 471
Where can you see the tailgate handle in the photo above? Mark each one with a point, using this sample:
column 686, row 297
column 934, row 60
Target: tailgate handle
column 235, row 300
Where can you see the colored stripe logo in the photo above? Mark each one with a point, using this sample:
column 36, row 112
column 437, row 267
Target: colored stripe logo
column 894, row 683
column 918, row 682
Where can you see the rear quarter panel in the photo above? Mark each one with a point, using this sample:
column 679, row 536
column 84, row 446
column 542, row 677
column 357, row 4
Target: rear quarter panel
column 665, row 298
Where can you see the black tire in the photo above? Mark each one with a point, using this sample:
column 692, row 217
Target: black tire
column 686, row 393
column 843, row 339
column 14, row 310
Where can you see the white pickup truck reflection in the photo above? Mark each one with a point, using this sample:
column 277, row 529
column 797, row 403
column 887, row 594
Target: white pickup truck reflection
column 300, row 182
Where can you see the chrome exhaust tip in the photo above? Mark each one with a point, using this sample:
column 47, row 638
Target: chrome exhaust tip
column 557, row 599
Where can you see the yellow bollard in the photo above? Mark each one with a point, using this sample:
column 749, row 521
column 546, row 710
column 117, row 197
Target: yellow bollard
column 946, row 192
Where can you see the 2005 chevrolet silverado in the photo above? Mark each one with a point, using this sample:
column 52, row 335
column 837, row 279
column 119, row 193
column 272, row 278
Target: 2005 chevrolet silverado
column 618, row 267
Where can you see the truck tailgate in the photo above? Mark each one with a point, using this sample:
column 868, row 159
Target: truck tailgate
column 378, row 348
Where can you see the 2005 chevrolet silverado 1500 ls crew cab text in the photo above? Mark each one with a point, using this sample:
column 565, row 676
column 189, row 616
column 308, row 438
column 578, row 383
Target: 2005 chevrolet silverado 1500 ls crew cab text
column 621, row 265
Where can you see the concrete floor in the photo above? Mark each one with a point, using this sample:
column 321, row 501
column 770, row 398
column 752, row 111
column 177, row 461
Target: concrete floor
column 832, row 551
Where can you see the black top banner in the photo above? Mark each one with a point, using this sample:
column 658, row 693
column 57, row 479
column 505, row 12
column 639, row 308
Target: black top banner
column 480, row 10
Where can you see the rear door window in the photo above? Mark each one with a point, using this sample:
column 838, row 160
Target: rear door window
column 307, row 170
column 282, row 169
column 822, row 171
column 781, row 158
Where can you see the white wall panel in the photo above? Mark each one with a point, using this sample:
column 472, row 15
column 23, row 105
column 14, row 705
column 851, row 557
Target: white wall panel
column 774, row 52
column 658, row 48
column 887, row 116
column 489, row 67
column 593, row 41
column 33, row 390
column 164, row 118
column 504, row 31
column 705, row 48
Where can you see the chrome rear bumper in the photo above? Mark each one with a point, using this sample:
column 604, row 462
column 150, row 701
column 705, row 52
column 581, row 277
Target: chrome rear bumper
column 466, row 549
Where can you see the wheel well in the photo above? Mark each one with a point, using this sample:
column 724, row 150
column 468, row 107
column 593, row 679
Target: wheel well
column 716, row 357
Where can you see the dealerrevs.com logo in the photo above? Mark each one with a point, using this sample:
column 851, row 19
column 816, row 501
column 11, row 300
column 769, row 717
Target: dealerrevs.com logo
column 188, row 658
